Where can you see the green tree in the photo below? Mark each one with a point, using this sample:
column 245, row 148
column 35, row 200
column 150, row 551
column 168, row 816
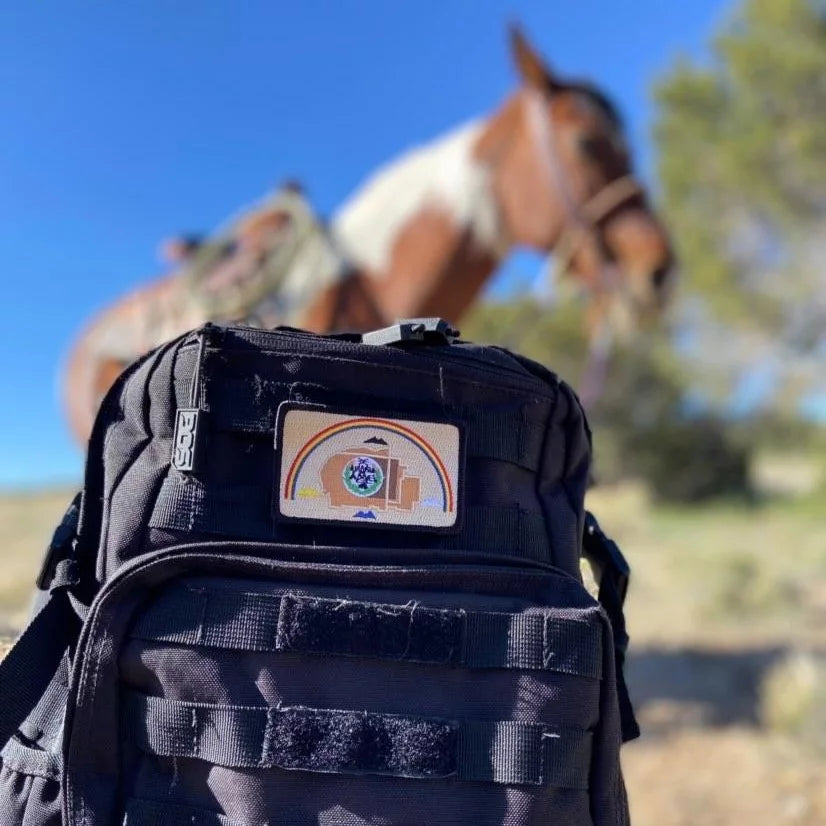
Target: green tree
column 641, row 427
column 741, row 145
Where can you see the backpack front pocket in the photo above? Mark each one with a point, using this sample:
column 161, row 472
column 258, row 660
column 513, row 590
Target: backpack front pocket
column 262, row 690
column 276, row 703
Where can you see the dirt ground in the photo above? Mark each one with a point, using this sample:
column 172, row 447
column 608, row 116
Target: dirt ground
column 727, row 614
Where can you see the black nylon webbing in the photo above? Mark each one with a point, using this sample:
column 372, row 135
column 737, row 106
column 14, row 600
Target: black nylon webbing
column 157, row 813
column 29, row 667
column 30, row 760
column 357, row 742
column 506, row 437
column 512, row 434
column 535, row 640
column 243, row 511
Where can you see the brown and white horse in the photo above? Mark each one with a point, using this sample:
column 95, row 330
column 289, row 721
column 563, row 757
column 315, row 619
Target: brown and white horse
column 549, row 170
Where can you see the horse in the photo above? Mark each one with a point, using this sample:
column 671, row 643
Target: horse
column 549, row 169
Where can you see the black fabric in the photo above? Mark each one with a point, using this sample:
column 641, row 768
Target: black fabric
column 232, row 667
column 355, row 742
column 29, row 792
column 348, row 627
column 27, row 760
column 61, row 546
column 513, row 433
column 157, row 813
column 359, row 629
column 29, row 667
column 242, row 510
column 613, row 572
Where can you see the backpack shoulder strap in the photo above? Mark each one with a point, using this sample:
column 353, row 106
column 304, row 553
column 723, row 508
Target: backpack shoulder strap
column 30, row 665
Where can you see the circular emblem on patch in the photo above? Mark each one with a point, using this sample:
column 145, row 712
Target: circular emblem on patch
column 363, row 476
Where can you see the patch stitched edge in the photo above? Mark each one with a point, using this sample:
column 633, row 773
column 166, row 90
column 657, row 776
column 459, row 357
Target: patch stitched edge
column 367, row 469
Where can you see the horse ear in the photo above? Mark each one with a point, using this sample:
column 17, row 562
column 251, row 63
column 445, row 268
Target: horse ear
column 532, row 68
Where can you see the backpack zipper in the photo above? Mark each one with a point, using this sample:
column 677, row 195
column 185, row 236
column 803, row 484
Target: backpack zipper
column 447, row 353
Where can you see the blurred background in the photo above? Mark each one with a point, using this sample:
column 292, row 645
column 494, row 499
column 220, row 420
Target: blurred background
column 126, row 123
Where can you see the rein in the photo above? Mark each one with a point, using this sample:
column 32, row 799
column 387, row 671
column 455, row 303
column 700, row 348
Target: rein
column 613, row 195
column 582, row 225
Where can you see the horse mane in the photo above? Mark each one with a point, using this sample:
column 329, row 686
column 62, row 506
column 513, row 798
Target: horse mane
column 599, row 99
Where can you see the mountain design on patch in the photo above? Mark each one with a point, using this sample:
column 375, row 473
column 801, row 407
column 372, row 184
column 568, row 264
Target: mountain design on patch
column 364, row 515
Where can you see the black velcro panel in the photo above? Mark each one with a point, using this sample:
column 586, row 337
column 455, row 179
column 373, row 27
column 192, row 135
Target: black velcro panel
column 344, row 627
column 360, row 742
column 347, row 742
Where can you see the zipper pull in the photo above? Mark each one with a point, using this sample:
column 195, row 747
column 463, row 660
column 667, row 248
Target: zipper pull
column 190, row 427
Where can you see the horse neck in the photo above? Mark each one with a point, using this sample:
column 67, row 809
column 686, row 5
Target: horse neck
column 425, row 232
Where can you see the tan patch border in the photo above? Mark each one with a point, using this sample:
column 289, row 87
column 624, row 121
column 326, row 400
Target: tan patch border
column 278, row 515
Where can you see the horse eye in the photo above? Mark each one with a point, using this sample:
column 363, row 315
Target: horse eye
column 590, row 146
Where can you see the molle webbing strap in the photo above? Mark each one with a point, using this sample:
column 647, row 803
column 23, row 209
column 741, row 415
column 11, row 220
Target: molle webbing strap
column 243, row 511
column 506, row 437
column 155, row 813
column 512, row 434
column 27, row 760
column 359, row 742
column 510, row 531
column 29, row 667
column 406, row 633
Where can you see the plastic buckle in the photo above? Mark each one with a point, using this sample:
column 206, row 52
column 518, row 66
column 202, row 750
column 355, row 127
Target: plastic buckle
column 62, row 546
column 422, row 330
column 608, row 556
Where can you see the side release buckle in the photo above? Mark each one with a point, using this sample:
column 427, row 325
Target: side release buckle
column 605, row 554
column 59, row 567
column 421, row 330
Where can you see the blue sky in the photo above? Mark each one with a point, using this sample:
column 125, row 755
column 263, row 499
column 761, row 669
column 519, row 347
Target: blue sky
column 123, row 122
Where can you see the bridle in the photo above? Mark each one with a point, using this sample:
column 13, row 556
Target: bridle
column 583, row 225
column 585, row 221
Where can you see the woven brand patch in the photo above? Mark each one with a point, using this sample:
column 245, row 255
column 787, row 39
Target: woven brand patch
column 368, row 469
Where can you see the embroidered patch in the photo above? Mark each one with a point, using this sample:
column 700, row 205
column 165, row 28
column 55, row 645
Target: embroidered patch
column 367, row 469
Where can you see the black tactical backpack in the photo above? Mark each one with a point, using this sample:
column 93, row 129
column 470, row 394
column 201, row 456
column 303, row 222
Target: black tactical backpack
column 324, row 580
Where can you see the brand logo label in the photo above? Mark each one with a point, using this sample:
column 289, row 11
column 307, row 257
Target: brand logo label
column 183, row 442
column 368, row 469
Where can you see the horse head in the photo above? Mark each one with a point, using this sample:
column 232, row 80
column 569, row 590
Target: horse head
column 562, row 177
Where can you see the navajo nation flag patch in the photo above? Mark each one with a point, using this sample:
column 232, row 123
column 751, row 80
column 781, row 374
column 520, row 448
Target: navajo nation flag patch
column 367, row 469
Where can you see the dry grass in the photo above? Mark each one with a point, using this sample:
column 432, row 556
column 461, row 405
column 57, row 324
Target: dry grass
column 723, row 777
column 727, row 574
column 727, row 615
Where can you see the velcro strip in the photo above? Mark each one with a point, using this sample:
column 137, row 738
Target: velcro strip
column 531, row 640
column 363, row 629
column 360, row 742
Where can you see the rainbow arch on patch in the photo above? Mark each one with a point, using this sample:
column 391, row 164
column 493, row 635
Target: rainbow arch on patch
column 385, row 425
